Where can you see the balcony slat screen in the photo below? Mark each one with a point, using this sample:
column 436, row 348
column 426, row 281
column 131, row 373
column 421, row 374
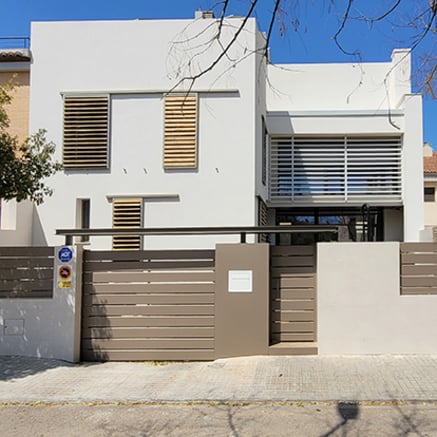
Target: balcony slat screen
column 180, row 131
column 343, row 169
column 86, row 130
column 126, row 213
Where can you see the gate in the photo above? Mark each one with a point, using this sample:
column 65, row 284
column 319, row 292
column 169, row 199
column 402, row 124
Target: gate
column 148, row 305
column 293, row 294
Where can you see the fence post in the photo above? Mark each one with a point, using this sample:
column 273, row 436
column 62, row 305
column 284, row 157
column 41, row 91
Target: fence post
column 78, row 302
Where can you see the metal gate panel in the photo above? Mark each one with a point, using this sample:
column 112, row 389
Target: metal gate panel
column 148, row 305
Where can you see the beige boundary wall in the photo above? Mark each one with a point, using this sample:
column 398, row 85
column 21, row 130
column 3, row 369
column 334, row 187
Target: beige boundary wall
column 360, row 309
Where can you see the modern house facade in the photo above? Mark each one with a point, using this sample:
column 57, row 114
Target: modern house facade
column 247, row 143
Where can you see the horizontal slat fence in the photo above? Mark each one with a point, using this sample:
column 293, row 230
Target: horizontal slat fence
column 418, row 268
column 293, row 294
column 26, row 272
column 148, row 305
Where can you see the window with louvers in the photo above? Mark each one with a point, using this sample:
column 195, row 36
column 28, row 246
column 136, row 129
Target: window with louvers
column 180, row 131
column 126, row 214
column 86, row 132
column 344, row 169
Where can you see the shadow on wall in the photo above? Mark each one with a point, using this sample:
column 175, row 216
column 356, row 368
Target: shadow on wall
column 38, row 234
column 13, row 367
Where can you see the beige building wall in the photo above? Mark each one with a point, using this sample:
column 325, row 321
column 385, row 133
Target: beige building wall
column 431, row 207
column 18, row 110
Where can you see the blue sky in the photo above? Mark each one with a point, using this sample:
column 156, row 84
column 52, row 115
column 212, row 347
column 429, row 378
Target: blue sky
column 307, row 40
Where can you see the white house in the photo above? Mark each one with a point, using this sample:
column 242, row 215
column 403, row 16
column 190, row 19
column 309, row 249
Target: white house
column 247, row 143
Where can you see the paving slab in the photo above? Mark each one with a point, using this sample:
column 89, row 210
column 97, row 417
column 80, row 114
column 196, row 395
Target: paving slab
column 247, row 379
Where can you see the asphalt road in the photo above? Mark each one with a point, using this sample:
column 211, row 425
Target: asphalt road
column 297, row 419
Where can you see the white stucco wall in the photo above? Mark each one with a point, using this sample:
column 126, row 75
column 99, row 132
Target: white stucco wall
column 43, row 328
column 130, row 60
column 16, row 223
column 412, row 168
column 360, row 309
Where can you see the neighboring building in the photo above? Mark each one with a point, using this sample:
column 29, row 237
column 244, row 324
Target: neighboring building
column 247, row 144
column 430, row 190
column 16, row 218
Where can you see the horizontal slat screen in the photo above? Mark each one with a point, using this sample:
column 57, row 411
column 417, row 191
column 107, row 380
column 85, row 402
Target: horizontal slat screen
column 344, row 169
column 293, row 294
column 86, row 132
column 418, row 268
column 180, row 131
column 26, row 272
column 126, row 213
column 148, row 305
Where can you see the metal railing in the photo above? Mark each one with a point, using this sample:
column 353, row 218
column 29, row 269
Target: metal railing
column 243, row 231
column 14, row 42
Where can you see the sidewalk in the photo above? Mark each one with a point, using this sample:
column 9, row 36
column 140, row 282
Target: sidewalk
column 249, row 379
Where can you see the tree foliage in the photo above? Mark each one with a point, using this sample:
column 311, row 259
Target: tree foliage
column 23, row 166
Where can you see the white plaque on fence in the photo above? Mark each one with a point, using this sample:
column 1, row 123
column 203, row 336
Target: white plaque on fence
column 240, row 281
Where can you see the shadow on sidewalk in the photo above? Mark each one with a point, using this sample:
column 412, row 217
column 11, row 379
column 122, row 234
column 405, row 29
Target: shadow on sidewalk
column 15, row 367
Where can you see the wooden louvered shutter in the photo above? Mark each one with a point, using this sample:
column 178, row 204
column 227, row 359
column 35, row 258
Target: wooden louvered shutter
column 126, row 214
column 180, row 131
column 86, row 131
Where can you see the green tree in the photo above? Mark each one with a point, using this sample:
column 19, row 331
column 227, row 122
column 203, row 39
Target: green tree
column 23, row 166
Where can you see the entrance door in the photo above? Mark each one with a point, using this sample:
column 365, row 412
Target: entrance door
column 293, row 294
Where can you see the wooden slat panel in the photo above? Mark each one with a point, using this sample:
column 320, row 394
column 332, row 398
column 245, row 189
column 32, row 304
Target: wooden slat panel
column 418, row 290
column 126, row 213
column 162, row 310
column 418, row 247
column 419, row 281
column 149, row 288
column 86, row 125
column 289, row 305
column 277, row 272
column 148, row 254
column 295, row 326
column 419, row 258
column 16, row 263
column 297, row 282
column 418, row 270
column 293, row 261
column 26, row 252
column 152, row 321
column 294, row 293
column 180, row 131
column 26, row 274
column 150, row 277
column 164, row 355
column 149, row 343
column 26, row 294
column 284, row 316
column 149, row 332
column 149, row 265
column 295, row 336
column 36, row 284
column 292, row 250
column 148, row 299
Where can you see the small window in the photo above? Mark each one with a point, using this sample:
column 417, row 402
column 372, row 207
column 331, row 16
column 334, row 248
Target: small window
column 86, row 132
column 264, row 151
column 429, row 194
column 180, row 131
column 83, row 213
column 126, row 213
